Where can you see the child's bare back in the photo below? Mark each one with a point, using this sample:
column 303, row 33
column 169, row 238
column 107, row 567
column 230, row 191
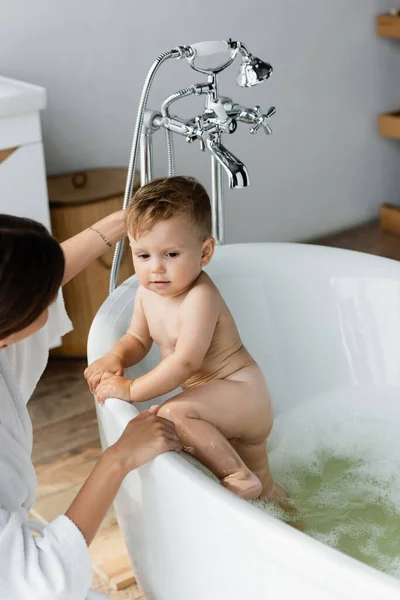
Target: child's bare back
column 223, row 415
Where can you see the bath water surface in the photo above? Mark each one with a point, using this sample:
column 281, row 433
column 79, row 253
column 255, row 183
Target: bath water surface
column 339, row 458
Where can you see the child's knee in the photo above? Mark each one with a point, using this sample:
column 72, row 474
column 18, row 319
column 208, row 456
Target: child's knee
column 165, row 411
column 174, row 411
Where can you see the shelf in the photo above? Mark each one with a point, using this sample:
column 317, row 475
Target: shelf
column 389, row 124
column 390, row 218
column 388, row 26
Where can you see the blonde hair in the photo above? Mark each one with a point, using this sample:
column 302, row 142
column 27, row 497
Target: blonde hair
column 167, row 197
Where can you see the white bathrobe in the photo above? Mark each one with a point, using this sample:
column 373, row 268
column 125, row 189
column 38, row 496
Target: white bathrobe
column 56, row 565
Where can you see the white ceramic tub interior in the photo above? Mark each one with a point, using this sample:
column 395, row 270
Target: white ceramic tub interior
column 316, row 320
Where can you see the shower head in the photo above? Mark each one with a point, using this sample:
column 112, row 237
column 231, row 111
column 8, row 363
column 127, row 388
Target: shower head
column 252, row 71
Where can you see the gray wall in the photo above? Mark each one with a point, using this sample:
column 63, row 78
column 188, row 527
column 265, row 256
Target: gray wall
column 324, row 168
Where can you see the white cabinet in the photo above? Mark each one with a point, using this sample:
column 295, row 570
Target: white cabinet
column 23, row 185
column 23, row 188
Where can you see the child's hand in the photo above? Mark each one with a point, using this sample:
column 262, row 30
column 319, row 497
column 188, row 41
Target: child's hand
column 108, row 363
column 113, row 386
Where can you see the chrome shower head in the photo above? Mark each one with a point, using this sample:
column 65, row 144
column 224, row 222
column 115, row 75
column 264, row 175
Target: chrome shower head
column 252, row 71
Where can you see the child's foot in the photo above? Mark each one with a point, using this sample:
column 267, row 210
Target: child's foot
column 275, row 493
column 243, row 483
column 279, row 495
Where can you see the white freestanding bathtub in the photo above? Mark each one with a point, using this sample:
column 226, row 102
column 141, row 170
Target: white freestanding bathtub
column 315, row 319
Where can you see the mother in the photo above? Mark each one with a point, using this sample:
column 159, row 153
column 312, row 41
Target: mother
column 33, row 266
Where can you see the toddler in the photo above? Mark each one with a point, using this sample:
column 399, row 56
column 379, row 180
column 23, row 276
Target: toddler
column 223, row 416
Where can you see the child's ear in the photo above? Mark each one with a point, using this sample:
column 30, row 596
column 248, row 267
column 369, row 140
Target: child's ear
column 208, row 251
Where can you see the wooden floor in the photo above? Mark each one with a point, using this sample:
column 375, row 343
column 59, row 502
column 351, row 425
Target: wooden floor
column 66, row 440
column 366, row 238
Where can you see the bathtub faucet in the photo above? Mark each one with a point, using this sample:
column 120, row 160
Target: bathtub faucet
column 238, row 176
column 220, row 116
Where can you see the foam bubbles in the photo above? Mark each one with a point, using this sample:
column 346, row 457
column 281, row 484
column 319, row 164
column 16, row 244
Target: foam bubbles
column 339, row 457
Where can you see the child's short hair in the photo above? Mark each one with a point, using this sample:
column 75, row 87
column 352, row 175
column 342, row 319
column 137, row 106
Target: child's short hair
column 167, row 197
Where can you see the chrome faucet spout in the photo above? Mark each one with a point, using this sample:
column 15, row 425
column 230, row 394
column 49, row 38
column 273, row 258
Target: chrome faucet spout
column 238, row 175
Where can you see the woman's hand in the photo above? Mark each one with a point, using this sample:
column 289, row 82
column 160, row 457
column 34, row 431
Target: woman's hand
column 111, row 363
column 144, row 438
column 113, row 386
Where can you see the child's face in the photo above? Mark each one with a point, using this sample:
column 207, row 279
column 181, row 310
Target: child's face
column 170, row 257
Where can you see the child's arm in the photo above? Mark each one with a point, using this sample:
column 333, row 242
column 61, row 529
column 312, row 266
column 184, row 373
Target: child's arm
column 130, row 350
column 136, row 343
column 198, row 318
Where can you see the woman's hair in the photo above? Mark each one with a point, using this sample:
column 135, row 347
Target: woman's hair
column 167, row 197
column 31, row 272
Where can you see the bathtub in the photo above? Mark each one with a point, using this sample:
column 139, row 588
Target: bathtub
column 315, row 319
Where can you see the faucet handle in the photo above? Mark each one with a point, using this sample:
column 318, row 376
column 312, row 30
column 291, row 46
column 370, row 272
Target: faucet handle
column 262, row 120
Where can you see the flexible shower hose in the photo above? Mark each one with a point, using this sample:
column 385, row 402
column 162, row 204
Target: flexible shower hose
column 174, row 53
column 170, row 151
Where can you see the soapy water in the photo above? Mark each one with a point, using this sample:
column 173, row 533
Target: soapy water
column 338, row 456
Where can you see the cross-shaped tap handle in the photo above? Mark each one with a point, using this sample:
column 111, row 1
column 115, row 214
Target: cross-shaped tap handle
column 262, row 120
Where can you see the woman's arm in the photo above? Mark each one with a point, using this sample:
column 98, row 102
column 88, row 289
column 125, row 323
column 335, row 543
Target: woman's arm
column 144, row 438
column 84, row 247
column 56, row 564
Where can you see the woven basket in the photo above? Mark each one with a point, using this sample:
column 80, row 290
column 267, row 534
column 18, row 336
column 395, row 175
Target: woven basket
column 77, row 200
